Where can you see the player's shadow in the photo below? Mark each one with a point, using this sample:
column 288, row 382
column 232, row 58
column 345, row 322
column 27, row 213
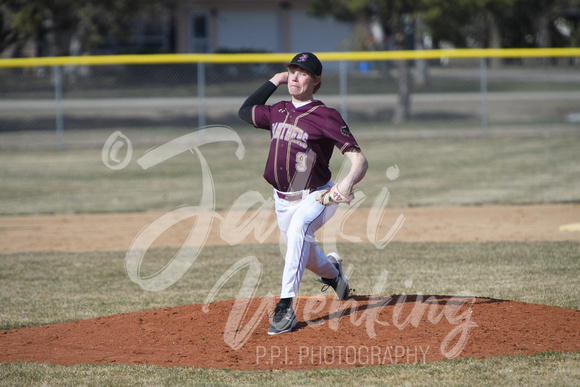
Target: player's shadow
column 358, row 305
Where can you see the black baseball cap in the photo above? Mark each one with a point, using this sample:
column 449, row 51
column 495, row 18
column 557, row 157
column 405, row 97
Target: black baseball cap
column 308, row 61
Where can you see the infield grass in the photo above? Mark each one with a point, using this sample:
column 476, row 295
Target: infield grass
column 46, row 288
column 554, row 369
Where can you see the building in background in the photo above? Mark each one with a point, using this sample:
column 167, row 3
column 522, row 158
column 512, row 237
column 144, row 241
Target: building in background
column 177, row 26
column 255, row 26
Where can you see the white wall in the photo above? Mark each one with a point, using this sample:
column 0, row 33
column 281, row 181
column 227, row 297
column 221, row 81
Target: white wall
column 243, row 28
column 317, row 35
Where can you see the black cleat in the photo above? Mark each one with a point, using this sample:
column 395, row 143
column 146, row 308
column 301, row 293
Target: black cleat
column 284, row 319
column 340, row 283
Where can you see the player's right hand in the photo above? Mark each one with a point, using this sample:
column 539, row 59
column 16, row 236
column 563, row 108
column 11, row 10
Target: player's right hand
column 280, row 78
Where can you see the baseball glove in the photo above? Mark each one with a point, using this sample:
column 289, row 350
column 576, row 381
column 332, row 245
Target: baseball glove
column 333, row 196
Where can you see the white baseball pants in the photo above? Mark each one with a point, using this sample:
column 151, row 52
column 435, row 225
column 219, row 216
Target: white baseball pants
column 298, row 220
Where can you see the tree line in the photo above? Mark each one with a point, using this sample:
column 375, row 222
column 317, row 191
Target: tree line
column 414, row 24
column 463, row 23
column 51, row 25
column 57, row 27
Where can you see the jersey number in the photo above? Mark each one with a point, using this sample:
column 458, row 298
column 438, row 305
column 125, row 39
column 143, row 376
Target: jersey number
column 301, row 165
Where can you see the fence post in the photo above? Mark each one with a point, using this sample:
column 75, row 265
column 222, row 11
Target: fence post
column 57, row 72
column 201, row 94
column 483, row 91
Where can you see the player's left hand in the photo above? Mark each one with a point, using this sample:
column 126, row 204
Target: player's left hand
column 333, row 196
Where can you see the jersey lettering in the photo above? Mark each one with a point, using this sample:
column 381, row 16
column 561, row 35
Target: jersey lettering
column 289, row 133
column 302, row 141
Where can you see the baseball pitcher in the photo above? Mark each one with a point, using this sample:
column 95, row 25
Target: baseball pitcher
column 303, row 135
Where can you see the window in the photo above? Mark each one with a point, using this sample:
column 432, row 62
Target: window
column 199, row 40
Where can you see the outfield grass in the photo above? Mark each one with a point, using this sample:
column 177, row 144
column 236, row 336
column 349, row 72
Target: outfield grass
column 433, row 171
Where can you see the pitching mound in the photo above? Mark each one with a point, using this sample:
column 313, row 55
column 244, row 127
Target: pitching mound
column 363, row 331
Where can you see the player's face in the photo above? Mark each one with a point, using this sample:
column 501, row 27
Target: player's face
column 301, row 84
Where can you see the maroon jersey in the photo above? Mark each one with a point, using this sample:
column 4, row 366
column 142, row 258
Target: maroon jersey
column 301, row 143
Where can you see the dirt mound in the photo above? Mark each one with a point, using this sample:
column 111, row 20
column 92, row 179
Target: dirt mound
column 362, row 331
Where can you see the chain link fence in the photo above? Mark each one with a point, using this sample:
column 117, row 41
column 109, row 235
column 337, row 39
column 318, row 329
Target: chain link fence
column 76, row 105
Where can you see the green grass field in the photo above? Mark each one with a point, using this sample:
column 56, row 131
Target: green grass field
column 458, row 170
column 552, row 369
column 45, row 288
column 42, row 288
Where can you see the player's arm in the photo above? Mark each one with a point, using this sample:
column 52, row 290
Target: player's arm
column 342, row 192
column 358, row 169
column 260, row 96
